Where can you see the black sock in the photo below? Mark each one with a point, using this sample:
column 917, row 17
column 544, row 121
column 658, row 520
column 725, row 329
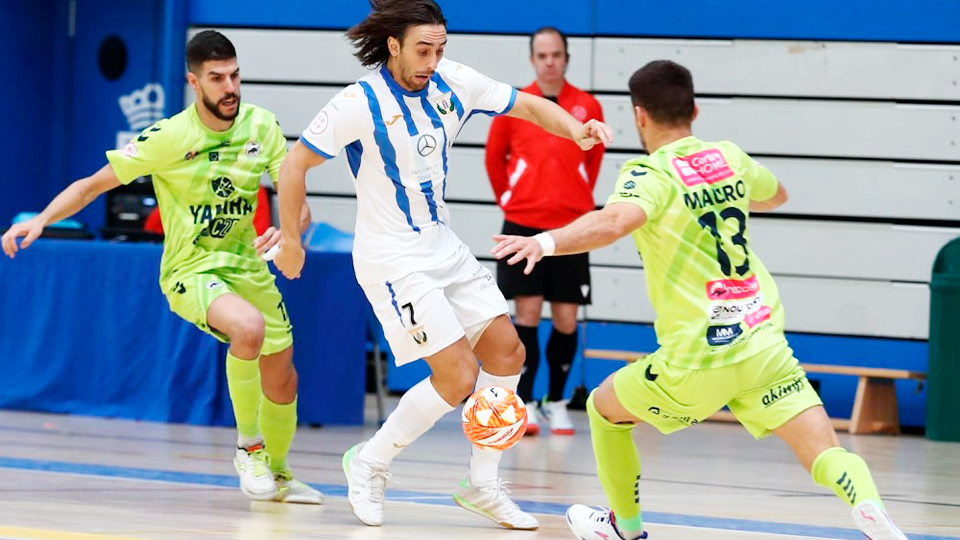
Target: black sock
column 561, row 348
column 528, row 336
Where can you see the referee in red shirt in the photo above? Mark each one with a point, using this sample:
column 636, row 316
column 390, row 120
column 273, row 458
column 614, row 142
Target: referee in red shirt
column 542, row 182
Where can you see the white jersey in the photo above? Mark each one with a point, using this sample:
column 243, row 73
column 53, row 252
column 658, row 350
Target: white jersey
column 397, row 143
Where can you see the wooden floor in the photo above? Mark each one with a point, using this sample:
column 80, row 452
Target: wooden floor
column 79, row 478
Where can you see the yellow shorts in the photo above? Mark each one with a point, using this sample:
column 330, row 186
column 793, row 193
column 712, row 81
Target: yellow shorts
column 190, row 297
column 763, row 392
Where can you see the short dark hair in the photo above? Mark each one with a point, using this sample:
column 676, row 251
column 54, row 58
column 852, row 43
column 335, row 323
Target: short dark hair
column 390, row 18
column 208, row 45
column 550, row 30
column 665, row 90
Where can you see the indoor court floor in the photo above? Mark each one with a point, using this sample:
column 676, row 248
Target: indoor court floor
column 82, row 478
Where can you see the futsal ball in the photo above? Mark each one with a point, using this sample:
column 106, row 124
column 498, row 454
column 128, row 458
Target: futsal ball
column 494, row 418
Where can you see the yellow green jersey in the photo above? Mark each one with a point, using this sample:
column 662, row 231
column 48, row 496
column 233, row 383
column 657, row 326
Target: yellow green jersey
column 206, row 184
column 716, row 303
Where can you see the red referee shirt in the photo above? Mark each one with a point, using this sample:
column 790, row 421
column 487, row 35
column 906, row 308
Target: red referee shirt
column 541, row 180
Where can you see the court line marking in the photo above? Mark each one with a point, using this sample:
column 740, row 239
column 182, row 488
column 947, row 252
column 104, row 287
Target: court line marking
column 336, row 490
column 337, row 455
column 23, row 533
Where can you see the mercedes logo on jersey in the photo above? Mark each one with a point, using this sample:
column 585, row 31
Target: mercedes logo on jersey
column 222, row 187
column 426, row 145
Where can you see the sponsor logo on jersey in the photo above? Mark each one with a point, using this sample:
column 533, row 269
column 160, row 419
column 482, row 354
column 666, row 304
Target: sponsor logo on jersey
column 734, row 311
column 685, row 420
column 252, row 149
column 723, row 335
column 757, row 317
column 207, row 213
column 782, row 391
column 130, row 150
column 629, row 184
column 426, row 144
column 222, row 186
column 732, row 289
column 706, row 167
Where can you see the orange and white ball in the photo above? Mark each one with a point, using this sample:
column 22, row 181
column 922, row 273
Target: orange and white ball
column 494, row 418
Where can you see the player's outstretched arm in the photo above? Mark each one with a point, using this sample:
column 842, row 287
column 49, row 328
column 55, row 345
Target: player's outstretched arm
column 70, row 201
column 772, row 203
column 590, row 231
column 557, row 121
column 292, row 191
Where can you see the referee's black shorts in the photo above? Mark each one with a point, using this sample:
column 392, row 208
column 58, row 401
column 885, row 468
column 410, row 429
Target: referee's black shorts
column 557, row 279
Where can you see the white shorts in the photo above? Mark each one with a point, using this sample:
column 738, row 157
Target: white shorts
column 423, row 313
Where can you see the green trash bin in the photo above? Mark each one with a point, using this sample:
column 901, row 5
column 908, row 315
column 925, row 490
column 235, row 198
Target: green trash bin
column 943, row 379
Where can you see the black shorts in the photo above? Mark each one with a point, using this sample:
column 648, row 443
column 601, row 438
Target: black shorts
column 557, row 279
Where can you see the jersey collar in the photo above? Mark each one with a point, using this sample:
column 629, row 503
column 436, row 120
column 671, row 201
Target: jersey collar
column 689, row 140
column 195, row 116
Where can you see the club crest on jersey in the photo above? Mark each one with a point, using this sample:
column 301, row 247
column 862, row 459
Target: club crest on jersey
column 252, row 149
column 419, row 336
column 444, row 103
column 579, row 112
column 222, row 187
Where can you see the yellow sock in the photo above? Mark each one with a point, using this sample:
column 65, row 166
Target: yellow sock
column 846, row 474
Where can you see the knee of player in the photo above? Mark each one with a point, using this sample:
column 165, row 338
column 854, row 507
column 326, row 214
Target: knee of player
column 249, row 329
column 517, row 356
column 465, row 381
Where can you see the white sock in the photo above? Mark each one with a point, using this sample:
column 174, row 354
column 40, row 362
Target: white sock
column 418, row 410
column 247, row 442
column 485, row 463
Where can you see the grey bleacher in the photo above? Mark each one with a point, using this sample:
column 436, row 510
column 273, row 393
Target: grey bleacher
column 865, row 136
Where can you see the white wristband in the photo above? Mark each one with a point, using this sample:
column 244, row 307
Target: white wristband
column 547, row 243
column 271, row 253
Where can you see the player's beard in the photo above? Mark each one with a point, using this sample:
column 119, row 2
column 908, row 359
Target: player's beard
column 214, row 108
column 413, row 83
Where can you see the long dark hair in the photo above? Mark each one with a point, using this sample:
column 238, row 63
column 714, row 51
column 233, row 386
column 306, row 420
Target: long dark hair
column 390, row 18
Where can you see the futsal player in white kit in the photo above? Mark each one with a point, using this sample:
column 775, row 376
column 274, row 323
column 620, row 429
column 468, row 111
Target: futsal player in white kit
column 434, row 300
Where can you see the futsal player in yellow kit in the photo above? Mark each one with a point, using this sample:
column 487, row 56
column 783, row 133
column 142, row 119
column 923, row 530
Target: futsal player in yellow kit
column 719, row 317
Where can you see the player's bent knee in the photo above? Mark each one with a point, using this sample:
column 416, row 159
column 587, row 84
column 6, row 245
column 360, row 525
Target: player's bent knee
column 282, row 389
column 248, row 330
column 518, row 356
column 608, row 406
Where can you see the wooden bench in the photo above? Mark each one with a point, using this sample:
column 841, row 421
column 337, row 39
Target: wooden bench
column 874, row 406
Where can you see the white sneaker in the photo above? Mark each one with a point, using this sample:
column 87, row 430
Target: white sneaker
column 494, row 503
column 291, row 490
column 588, row 523
column 559, row 418
column 256, row 480
column 366, row 486
column 874, row 523
column 533, row 419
